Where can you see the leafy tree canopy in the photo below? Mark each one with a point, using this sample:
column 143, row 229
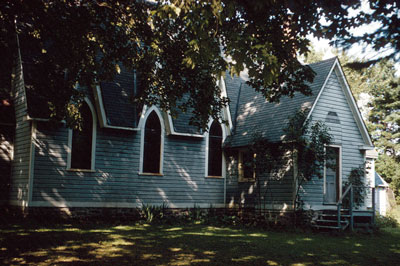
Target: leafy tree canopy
column 179, row 47
column 384, row 115
column 346, row 27
column 389, row 168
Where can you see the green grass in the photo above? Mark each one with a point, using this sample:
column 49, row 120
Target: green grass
column 395, row 213
column 30, row 244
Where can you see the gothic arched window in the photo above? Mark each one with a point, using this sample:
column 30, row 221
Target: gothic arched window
column 215, row 150
column 152, row 144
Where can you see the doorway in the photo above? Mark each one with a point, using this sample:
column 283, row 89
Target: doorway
column 332, row 175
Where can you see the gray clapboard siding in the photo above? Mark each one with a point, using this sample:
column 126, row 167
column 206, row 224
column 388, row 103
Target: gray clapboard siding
column 274, row 193
column 116, row 178
column 19, row 193
column 346, row 134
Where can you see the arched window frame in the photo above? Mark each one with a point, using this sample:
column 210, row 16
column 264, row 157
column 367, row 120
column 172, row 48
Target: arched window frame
column 94, row 134
column 142, row 125
column 224, row 134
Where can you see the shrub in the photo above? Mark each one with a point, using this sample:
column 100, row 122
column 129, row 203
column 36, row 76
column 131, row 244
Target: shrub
column 152, row 213
column 356, row 179
column 386, row 221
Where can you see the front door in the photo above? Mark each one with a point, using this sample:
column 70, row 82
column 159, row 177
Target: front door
column 332, row 175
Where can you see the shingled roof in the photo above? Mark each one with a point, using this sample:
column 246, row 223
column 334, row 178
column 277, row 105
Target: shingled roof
column 181, row 123
column 117, row 97
column 252, row 112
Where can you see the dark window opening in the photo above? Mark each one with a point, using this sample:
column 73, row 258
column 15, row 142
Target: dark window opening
column 246, row 166
column 152, row 144
column 81, row 150
column 215, row 150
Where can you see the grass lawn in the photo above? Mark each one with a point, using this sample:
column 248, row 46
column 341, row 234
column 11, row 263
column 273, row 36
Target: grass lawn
column 25, row 243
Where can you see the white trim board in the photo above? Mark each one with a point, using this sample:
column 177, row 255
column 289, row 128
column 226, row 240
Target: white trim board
column 321, row 90
column 226, row 111
column 80, row 204
column 172, row 132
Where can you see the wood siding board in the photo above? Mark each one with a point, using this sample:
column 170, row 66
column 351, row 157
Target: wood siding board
column 346, row 133
column 116, row 177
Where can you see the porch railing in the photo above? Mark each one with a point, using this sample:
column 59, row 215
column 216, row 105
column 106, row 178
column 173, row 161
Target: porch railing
column 349, row 192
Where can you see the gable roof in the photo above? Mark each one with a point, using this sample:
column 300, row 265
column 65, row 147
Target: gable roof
column 379, row 181
column 255, row 113
column 115, row 101
column 116, row 109
column 180, row 125
column 248, row 110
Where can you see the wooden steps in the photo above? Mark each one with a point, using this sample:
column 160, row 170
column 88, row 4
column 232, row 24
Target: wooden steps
column 328, row 220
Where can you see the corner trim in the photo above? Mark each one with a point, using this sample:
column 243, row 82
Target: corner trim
column 31, row 162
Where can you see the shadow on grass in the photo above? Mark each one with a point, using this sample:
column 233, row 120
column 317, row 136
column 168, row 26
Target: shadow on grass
column 104, row 244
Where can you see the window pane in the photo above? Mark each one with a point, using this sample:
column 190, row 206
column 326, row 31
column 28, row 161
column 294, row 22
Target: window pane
column 81, row 150
column 152, row 144
column 215, row 150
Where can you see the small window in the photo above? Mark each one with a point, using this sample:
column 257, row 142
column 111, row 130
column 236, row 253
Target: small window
column 246, row 166
column 82, row 141
column 332, row 117
column 215, row 150
column 152, row 144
